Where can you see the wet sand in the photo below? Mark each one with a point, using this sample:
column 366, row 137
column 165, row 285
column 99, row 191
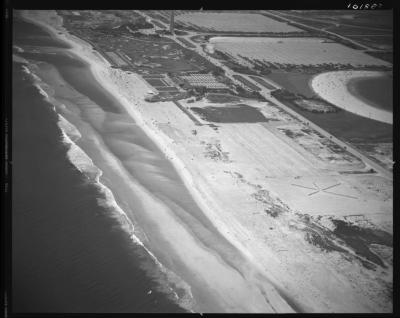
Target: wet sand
column 156, row 198
column 229, row 256
column 71, row 253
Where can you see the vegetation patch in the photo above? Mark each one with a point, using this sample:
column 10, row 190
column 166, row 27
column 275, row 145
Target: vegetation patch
column 360, row 239
column 343, row 236
column 230, row 114
column 222, row 98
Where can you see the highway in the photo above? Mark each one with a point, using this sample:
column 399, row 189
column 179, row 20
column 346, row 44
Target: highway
column 321, row 30
column 267, row 94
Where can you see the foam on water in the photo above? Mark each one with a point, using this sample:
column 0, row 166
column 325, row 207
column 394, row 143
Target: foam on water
column 26, row 70
column 41, row 91
column 18, row 49
column 18, row 59
column 168, row 281
column 85, row 165
column 70, row 130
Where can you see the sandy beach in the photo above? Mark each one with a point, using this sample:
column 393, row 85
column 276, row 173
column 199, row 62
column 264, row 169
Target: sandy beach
column 221, row 289
column 334, row 87
column 204, row 220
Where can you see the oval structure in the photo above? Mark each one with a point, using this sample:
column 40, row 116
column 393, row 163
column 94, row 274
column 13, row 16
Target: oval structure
column 334, row 88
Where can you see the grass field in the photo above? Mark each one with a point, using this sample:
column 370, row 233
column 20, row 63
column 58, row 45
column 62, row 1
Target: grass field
column 297, row 83
column 297, row 51
column 234, row 22
column 155, row 82
column 222, row 98
column 349, row 127
column 240, row 113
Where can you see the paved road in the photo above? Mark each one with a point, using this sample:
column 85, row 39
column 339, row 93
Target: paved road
column 344, row 145
column 267, row 94
column 188, row 113
column 331, row 22
column 321, row 30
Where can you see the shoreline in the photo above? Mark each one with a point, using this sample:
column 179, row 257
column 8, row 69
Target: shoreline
column 84, row 163
column 264, row 270
column 258, row 303
column 169, row 281
column 334, row 87
column 352, row 87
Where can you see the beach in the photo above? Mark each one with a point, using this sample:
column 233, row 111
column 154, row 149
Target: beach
column 167, row 228
column 334, row 88
column 199, row 219
column 67, row 255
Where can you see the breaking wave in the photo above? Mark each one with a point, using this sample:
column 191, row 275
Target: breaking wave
column 169, row 282
column 85, row 165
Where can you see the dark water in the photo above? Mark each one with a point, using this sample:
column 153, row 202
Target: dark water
column 68, row 254
column 75, row 72
column 343, row 124
column 36, row 35
column 375, row 90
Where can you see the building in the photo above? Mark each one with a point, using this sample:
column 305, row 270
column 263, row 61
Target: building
column 203, row 80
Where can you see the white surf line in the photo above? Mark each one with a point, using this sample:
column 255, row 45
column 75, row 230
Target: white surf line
column 84, row 50
column 79, row 158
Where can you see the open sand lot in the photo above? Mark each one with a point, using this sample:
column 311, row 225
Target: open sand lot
column 243, row 22
column 267, row 171
column 226, row 222
column 306, row 51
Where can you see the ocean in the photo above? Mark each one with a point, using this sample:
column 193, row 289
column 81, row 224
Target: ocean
column 377, row 91
column 165, row 249
column 71, row 253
